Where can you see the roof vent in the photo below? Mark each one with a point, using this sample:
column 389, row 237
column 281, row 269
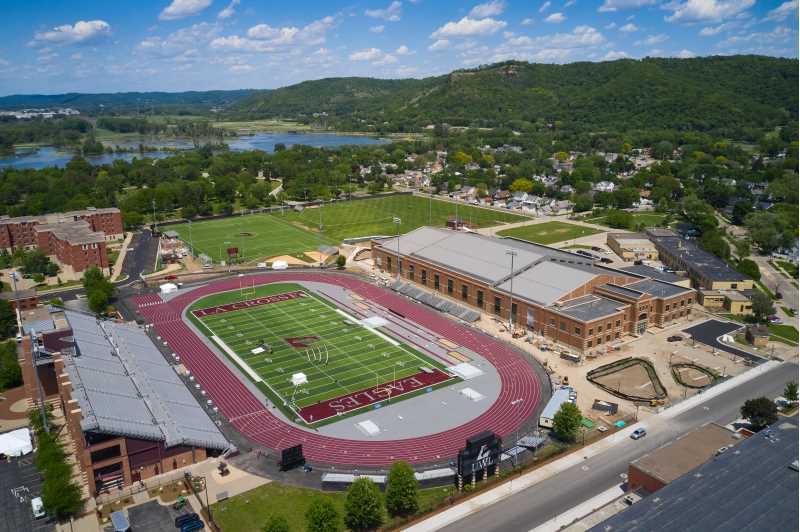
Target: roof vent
column 793, row 466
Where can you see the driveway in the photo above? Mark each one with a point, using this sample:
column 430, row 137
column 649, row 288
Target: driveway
column 709, row 331
column 19, row 483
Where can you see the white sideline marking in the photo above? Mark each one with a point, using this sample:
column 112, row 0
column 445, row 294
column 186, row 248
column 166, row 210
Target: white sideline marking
column 370, row 329
column 242, row 364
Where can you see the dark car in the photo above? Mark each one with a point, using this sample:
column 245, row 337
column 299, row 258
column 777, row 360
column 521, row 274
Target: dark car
column 675, row 338
column 185, row 518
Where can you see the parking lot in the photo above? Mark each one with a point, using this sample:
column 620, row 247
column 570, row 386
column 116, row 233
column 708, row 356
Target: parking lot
column 152, row 517
column 19, row 483
column 708, row 333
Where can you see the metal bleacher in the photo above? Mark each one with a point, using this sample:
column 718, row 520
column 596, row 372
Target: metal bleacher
column 440, row 304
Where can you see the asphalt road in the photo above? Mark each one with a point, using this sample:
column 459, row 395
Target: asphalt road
column 556, row 495
column 775, row 281
column 708, row 332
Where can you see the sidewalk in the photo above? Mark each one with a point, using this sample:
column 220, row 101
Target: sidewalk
column 516, row 485
column 121, row 258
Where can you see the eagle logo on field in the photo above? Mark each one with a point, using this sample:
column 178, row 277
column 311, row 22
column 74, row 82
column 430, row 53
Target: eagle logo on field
column 301, row 342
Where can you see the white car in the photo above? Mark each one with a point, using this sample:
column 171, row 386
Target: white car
column 641, row 432
column 37, row 507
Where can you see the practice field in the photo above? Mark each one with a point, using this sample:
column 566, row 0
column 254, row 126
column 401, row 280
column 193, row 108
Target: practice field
column 275, row 332
column 375, row 216
column 256, row 235
column 549, row 232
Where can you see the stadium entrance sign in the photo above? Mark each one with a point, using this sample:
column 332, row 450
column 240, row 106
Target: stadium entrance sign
column 480, row 457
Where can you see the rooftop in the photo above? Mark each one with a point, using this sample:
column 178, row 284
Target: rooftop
column 74, row 232
column 58, row 217
column 654, row 273
column 631, row 239
column 701, row 261
column 589, row 308
column 751, row 487
column 680, row 456
column 658, row 288
column 124, row 386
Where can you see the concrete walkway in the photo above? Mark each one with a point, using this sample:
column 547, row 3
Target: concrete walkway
column 117, row 271
column 527, row 480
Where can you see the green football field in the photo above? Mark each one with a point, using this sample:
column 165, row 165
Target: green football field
column 549, row 232
column 307, row 334
column 260, row 236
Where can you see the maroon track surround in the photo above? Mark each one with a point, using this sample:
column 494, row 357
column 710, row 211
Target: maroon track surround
column 246, row 412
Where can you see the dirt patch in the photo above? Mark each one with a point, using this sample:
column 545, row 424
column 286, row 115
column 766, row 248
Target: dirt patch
column 246, row 233
column 305, row 227
column 316, row 256
column 633, row 379
column 288, row 259
column 692, row 375
column 14, row 405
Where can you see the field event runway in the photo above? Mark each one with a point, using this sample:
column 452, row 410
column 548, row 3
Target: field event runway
column 519, row 382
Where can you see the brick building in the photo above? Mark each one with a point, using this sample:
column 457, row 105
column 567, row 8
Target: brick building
column 632, row 246
column 127, row 410
column 76, row 240
column 558, row 294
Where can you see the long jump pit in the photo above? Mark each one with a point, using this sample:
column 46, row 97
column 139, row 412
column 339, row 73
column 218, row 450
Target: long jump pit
column 355, row 373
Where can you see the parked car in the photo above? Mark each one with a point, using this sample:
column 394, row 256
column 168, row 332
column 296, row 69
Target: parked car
column 185, row 518
column 774, row 319
column 641, row 432
column 675, row 338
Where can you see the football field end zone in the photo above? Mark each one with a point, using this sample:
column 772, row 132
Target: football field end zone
column 360, row 399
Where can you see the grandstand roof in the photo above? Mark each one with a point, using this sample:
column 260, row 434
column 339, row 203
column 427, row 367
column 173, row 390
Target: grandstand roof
column 125, row 386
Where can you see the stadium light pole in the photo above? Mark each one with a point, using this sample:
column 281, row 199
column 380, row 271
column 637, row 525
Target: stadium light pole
column 512, row 253
column 397, row 221
column 191, row 244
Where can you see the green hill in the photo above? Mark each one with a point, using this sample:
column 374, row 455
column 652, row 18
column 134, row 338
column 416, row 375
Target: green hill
column 720, row 94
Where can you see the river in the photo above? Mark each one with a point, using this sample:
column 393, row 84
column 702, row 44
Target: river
column 45, row 156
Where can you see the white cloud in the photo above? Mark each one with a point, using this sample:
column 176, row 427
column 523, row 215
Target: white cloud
column 241, row 68
column 630, row 27
column 268, row 36
column 581, row 36
column 403, row 50
column 391, row 13
column 229, row 11
column 710, row 31
column 611, row 25
column 616, row 5
column 77, row 56
column 685, row 54
column 762, row 40
column 82, row 32
column 440, row 44
column 611, row 55
column 489, row 9
column 178, row 9
column 652, row 40
column 545, row 6
column 179, row 42
column 555, row 18
column 370, row 54
column 706, row 10
column 784, row 10
column 377, row 29
column 469, row 26
column 580, row 43
column 387, row 59
column 527, row 22
column 569, row 3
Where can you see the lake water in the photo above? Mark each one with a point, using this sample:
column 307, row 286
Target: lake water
column 265, row 141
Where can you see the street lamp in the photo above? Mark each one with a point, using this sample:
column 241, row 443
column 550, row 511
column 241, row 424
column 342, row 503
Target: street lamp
column 512, row 253
column 397, row 221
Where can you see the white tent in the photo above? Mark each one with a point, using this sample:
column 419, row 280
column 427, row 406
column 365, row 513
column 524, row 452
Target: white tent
column 299, row 378
column 16, row 443
column 280, row 265
column 168, row 288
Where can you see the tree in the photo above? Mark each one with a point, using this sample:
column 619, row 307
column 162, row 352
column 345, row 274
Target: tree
column 521, row 185
column 567, row 421
column 401, row 490
column 362, row 506
column 322, row 516
column 760, row 412
column 619, row 219
column 749, row 268
column 8, row 320
column 341, row 260
column 98, row 289
column 790, row 391
column 10, row 372
column 583, row 203
column 276, row 523
column 762, row 305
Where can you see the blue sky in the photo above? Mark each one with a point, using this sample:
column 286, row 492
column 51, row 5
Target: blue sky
column 53, row 46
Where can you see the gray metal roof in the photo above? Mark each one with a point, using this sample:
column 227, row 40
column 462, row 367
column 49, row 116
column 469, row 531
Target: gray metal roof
column 658, row 288
column 750, row 487
column 559, row 397
column 125, row 386
column 547, row 282
column 654, row 273
column 698, row 260
column 589, row 308
column 623, row 291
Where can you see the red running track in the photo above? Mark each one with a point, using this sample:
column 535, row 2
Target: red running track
column 252, row 419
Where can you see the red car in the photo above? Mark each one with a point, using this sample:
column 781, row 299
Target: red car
column 171, row 277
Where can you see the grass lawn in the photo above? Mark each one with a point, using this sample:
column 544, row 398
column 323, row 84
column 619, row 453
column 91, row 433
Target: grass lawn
column 788, row 267
column 375, row 216
column 783, row 332
column 257, row 236
column 249, row 511
column 648, row 219
column 788, row 311
column 304, row 333
column 549, row 232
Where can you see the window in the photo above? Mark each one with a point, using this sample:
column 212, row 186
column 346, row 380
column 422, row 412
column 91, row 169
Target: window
column 666, row 308
column 608, row 326
column 480, row 298
column 683, row 303
column 389, row 264
column 497, row 305
column 552, row 322
column 589, row 343
column 449, row 286
column 562, row 326
column 530, row 318
column 513, row 312
column 105, row 454
column 435, row 281
column 608, row 338
column 578, row 331
column 464, row 292
column 733, row 286
column 423, row 277
column 618, row 323
column 591, row 331
column 599, row 340
column 400, row 266
column 616, row 335
column 411, row 271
